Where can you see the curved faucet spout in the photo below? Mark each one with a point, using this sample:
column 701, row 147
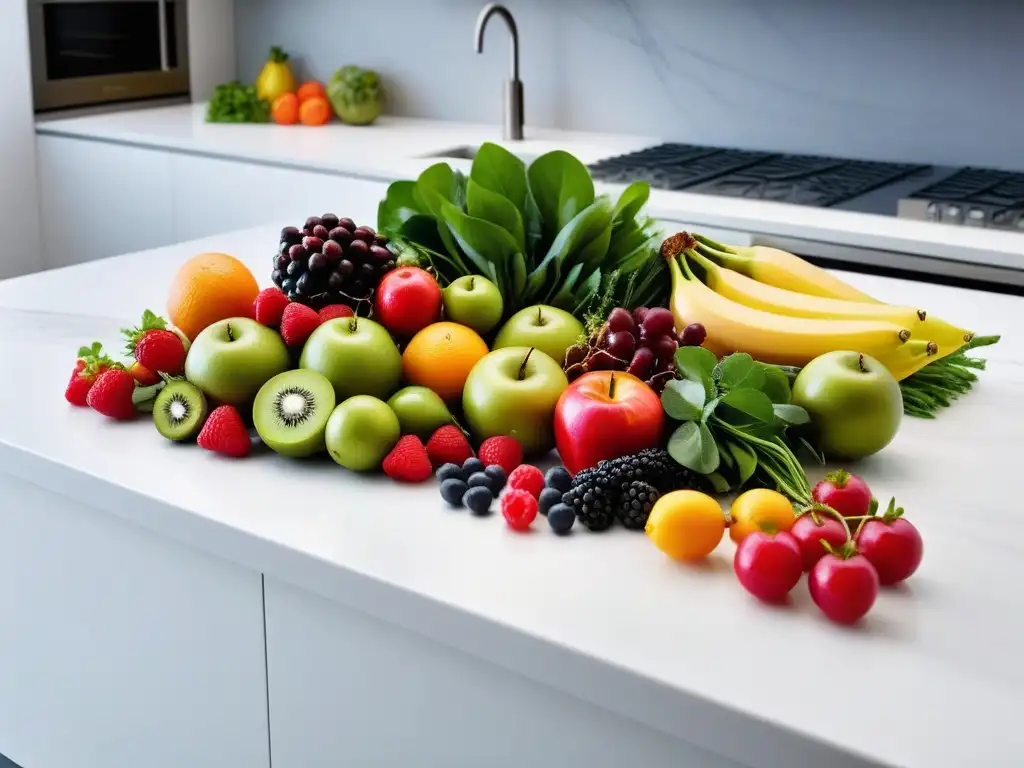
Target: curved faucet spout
column 497, row 9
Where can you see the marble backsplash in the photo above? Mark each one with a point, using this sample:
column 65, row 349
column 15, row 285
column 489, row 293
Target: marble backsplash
column 905, row 80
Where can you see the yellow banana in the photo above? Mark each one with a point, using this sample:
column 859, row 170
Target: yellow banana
column 781, row 269
column 768, row 298
column 768, row 337
column 909, row 358
column 946, row 335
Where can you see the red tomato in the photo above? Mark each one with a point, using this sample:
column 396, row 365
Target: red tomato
column 809, row 534
column 894, row 547
column 844, row 588
column 768, row 566
column 407, row 300
column 847, row 494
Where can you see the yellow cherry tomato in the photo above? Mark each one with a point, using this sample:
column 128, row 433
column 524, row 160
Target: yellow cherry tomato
column 686, row 525
column 760, row 509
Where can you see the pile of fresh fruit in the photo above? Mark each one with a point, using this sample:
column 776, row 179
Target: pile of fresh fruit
column 497, row 317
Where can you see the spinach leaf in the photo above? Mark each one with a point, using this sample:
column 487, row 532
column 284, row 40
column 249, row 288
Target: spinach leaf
column 435, row 187
column 482, row 203
column 693, row 446
column 562, row 187
column 697, row 364
column 398, row 206
column 709, row 409
column 735, row 369
column 631, row 201
column 587, row 292
column 518, row 270
column 683, row 399
column 791, row 414
column 565, row 298
column 776, row 384
column 752, row 403
column 488, row 246
column 422, row 231
column 498, row 170
column 746, row 459
column 590, row 225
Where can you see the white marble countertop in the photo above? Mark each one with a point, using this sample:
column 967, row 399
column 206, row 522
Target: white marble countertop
column 395, row 148
column 933, row 677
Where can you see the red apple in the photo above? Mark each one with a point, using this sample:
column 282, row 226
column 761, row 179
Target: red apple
column 604, row 415
column 408, row 299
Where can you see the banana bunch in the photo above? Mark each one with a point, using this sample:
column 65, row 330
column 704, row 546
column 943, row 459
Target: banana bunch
column 781, row 309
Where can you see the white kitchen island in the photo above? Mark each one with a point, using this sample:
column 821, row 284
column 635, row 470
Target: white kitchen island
column 162, row 606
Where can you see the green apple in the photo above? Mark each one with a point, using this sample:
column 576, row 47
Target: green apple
column 231, row 359
column 853, row 400
column 548, row 329
column 473, row 301
column 360, row 432
column 356, row 355
column 419, row 410
column 513, row 391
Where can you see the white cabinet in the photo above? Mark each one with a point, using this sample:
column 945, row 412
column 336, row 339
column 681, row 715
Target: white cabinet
column 100, row 199
column 119, row 647
column 348, row 689
column 213, row 195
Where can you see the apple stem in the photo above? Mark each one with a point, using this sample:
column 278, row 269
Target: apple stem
column 860, row 364
column 611, row 386
column 353, row 325
column 231, row 335
column 540, row 317
column 472, row 282
column 522, row 366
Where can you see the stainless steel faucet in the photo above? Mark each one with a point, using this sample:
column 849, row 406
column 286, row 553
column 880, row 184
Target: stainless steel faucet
column 513, row 129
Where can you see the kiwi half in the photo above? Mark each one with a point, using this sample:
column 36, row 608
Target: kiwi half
column 291, row 412
column 179, row 411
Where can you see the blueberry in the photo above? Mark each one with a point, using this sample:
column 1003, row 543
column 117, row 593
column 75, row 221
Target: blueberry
column 450, row 472
column 482, row 478
column 478, row 499
column 497, row 474
column 452, row 491
column 548, row 498
column 561, row 518
column 558, row 477
column 472, row 465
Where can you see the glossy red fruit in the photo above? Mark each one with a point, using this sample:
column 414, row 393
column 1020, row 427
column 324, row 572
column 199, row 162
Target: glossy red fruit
column 408, row 299
column 847, row 494
column 844, row 586
column 768, row 565
column 619, row 320
column 111, row 394
column 809, row 533
column 519, row 508
column 895, row 548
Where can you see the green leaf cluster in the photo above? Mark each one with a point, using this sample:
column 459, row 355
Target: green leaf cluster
column 538, row 232
column 236, row 102
column 734, row 415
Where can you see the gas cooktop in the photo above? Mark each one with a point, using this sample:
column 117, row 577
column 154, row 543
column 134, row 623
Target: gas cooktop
column 970, row 196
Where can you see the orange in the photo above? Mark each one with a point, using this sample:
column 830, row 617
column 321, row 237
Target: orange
column 686, row 525
column 441, row 356
column 315, row 110
column 757, row 510
column 210, row 287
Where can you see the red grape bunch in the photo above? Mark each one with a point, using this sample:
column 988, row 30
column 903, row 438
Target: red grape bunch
column 642, row 343
column 331, row 261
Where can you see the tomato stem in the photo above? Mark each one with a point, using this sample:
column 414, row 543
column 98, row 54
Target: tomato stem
column 818, row 508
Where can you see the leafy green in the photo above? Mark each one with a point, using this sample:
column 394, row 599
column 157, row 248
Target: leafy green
column 236, row 102
column 539, row 233
column 734, row 426
column 938, row 384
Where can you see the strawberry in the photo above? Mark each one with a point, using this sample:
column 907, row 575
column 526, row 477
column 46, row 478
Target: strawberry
column 90, row 364
column 333, row 311
column 269, row 306
column 142, row 374
column 408, row 461
column 224, row 432
column 297, row 323
column 111, row 394
column 503, row 451
column 155, row 347
column 448, row 445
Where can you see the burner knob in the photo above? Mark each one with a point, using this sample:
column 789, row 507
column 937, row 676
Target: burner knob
column 976, row 217
column 933, row 212
column 952, row 213
column 1020, row 223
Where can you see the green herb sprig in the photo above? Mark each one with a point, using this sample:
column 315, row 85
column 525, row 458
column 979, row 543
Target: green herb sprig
column 937, row 385
column 735, row 414
column 236, row 102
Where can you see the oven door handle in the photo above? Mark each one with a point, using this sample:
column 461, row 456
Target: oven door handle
column 165, row 64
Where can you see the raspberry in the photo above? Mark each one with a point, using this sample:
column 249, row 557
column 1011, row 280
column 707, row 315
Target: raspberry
column 527, row 477
column 519, row 509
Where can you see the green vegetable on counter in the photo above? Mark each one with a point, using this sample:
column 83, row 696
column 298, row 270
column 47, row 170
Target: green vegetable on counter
column 236, row 102
column 735, row 415
column 356, row 95
column 539, row 232
column 938, row 384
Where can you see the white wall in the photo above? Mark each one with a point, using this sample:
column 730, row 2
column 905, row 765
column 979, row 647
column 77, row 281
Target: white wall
column 20, row 246
column 919, row 80
column 211, row 46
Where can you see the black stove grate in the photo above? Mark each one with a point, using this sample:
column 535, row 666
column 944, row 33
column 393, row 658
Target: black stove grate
column 980, row 186
column 674, row 166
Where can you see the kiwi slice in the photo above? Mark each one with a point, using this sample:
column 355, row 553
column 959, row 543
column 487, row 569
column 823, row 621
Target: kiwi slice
column 179, row 411
column 291, row 412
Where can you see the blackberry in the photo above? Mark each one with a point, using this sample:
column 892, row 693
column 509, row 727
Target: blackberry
column 635, row 504
column 592, row 496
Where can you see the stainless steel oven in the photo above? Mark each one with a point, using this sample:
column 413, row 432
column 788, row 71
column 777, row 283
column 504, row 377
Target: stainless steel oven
column 88, row 52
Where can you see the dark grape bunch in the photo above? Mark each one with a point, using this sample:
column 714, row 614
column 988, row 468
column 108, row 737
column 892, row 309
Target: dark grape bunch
column 331, row 261
column 642, row 343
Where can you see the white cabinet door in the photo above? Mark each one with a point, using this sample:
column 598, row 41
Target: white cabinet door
column 119, row 647
column 101, row 199
column 213, row 195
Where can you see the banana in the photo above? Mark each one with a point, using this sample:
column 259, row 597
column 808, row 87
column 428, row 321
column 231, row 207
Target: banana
column 768, row 337
column 781, row 269
column 948, row 336
column 909, row 358
column 768, row 298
